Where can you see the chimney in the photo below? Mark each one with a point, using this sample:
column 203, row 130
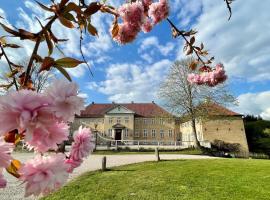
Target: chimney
column 93, row 102
column 132, row 101
column 153, row 102
column 113, row 102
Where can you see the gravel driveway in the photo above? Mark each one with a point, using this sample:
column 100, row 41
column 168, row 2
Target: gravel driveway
column 15, row 188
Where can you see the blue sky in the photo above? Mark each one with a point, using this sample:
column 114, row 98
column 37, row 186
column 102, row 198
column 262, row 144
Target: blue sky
column 133, row 72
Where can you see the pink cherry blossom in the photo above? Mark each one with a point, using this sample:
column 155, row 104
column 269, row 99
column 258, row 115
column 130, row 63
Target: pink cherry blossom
column 3, row 181
column 82, row 145
column 158, row 11
column 65, row 102
column 132, row 13
column 44, row 174
column 5, row 150
column 25, row 110
column 147, row 26
column 127, row 33
column 73, row 164
column 147, row 3
column 212, row 78
column 45, row 139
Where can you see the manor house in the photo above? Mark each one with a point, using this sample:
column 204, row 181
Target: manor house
column 149, row 122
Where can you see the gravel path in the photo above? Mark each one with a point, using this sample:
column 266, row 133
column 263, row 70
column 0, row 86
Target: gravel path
column 15, row 189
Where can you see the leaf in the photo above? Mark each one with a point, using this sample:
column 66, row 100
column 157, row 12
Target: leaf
column 202, row 46
column 12, row 73
column 189, row 51
column 92, row 9
column 10, row 137
column 92, row 30
column 70, row 17
column 37, row 58
column 193, row 65
column 13, row 168
column 62, row 3
column 66, row 22
column 192, row 40
column 49, row 42
column 15, row 46
column 115, row 29
column 64, row 72
column 44, row 7
column 47, row 63
column 3, row 40
column 67, row 62
column 72, row 7
column 9, row 30
column 26, row 34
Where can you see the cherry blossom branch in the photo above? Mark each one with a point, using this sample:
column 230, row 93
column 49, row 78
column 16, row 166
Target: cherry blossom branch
column 228, row 3
column 10, row 67
column 180, row 33
column 39, row 36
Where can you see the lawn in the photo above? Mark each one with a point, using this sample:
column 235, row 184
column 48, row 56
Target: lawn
column 169, row 180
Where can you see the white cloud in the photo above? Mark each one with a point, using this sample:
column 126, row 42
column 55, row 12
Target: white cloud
column 93, row 47
column 242, row 43
column 152, row 43
column 130, row 82
column 255, row 103
column 186, row 10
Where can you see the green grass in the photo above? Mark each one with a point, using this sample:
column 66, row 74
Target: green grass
column 125, row 152
column 233, row 179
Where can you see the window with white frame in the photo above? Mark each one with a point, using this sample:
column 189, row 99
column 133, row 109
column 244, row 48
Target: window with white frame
column 126, row 120
column 137, row 133
column 126, row 132
column 161, row 121
column 162, row 133
column 153, row 133
column 145, row 121
column 110, row 132
column 118, row 120
column 145, row 133
column 170, row 133
column 110, row 120
column 153, row 121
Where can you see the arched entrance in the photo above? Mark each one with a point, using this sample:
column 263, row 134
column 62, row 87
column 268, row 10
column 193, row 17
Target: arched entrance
column 118, row 134
column 118, row 131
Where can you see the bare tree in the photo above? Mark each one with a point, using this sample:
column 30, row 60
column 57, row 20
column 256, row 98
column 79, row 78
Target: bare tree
column 183, row 98
column 40, row 80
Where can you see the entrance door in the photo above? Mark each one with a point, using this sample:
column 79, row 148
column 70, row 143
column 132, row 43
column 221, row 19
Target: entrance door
column 118, row 133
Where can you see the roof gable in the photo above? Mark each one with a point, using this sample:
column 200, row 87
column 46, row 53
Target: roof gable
column 119, row 109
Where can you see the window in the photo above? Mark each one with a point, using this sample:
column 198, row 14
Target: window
column 137, row 134
column 153, row 133
column 161, row 121
column 145, row 133
column 118, row 120
column 110, row 120
column 126, row 120
column 161, row 133
column 170, row 133
column 110, row 132
column 153, row 121
column 126, row 132
column 145, row 121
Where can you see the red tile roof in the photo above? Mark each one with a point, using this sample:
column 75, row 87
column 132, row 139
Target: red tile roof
column 140, row 109
column 216, row 109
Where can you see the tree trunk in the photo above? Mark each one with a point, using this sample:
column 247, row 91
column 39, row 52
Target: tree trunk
column 194, row 131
